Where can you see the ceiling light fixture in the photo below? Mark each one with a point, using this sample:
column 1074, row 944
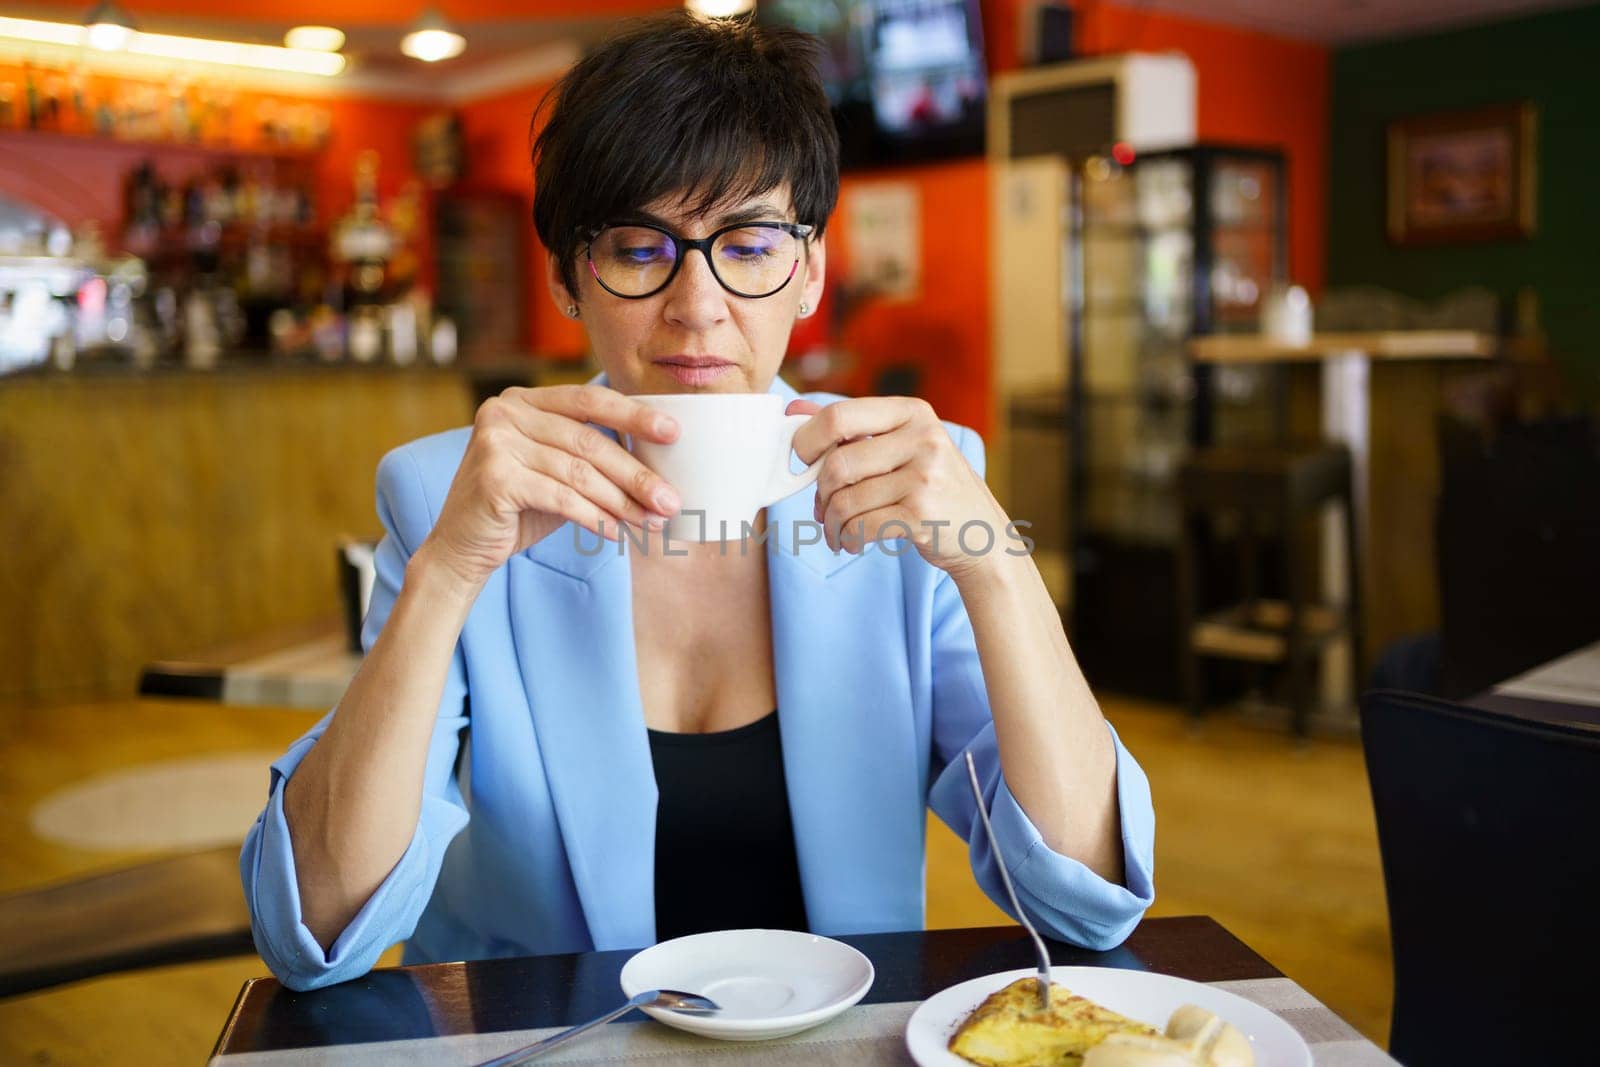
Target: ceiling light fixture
column 237, row 54
column 314, row 38
column 183, row 49
column 720, row 9
column 432, row 39
column 61, row 33
column 108, row 27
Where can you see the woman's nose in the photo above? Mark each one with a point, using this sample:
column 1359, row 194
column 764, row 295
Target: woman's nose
column 695, row 297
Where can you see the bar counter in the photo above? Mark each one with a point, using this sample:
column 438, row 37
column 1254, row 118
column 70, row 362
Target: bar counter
column 151, row 513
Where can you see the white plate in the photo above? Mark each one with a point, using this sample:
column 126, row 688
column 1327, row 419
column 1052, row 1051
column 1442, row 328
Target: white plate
column 769, row 983
column 1141, row 995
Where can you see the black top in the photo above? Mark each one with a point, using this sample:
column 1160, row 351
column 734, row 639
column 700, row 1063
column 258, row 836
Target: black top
column 725, row 856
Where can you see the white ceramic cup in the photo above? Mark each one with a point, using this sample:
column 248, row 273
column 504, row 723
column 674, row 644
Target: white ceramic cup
column 731, row 459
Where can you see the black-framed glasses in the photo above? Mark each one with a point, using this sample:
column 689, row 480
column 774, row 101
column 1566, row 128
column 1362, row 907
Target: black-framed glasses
column 748, row 259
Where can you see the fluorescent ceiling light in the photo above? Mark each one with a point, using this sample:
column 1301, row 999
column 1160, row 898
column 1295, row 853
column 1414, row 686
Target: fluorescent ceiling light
column 108, row 28
column 43, row 32
column 433, row 39
column 184, row 49
column 237, row 54
column 720, row 9
column 315, row 38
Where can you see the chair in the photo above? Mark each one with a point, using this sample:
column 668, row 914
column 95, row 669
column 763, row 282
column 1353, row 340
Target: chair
column 173, row 910
column 357, row 573
column 1488, row 826
column 1276, row 487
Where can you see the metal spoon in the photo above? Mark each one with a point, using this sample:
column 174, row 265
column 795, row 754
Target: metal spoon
column 1005, row 879
column 671, row 999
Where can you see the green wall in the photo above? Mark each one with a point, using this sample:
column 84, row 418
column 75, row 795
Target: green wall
column 1552, row 60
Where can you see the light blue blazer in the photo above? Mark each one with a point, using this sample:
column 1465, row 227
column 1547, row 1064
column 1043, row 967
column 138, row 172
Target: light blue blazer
column 537, row 828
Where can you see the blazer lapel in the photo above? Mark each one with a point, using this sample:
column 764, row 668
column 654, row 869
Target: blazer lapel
column 848, row 727
column 572, row 621
column 845, row 711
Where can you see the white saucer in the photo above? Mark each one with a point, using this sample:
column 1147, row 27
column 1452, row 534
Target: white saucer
column 769, row 983
column 1141, row 995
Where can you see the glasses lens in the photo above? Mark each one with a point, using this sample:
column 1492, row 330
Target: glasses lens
column 755, row 260
column 632, row 260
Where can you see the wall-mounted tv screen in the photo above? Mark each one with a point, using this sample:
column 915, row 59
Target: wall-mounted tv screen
column 906, row 77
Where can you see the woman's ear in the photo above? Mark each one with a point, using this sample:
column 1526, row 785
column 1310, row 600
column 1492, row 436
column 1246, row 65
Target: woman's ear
column 816, row 273
column 565, row 300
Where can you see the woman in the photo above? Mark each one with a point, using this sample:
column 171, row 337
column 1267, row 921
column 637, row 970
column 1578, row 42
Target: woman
column 549, row 749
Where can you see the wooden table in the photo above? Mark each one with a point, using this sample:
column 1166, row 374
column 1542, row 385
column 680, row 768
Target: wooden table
column 304, row 667
column 1565, row 690
column 440, row 1013
column 1373, row 344
column 1345, row 360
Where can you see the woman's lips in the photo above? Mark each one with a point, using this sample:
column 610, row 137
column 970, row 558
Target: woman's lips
column 693, row 372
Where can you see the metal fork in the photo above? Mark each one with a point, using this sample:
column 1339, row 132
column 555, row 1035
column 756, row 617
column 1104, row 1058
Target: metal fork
column 1005, row 879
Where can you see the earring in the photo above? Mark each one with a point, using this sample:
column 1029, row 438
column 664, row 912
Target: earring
column 805, row 309
column 572, row 311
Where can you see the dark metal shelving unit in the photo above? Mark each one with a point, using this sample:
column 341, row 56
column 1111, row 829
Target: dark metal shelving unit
column 1124, row 443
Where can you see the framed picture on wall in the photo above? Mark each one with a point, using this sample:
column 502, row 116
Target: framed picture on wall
column 1462, row 176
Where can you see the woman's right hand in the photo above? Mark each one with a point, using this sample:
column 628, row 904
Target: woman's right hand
column 534, row 463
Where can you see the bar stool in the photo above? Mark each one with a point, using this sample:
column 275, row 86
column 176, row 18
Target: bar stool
column 1265, row 488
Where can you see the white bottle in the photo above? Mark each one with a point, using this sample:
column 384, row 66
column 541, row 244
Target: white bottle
column 442, row 343
column 402, row 333
column 201, row 339
column 1286, row 316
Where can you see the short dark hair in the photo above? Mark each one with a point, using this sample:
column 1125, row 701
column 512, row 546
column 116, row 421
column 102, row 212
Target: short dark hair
column 713, row 109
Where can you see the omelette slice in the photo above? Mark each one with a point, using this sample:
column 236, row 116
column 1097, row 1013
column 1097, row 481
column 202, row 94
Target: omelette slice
column 1009, row 1030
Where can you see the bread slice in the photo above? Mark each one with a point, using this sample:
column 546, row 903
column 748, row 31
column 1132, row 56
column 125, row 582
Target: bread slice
column 1009, row 1030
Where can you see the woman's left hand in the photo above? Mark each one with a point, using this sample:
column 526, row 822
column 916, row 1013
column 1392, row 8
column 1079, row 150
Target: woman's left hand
column 894, row 472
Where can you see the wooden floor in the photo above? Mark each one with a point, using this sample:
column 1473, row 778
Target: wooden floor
column 1274, row 841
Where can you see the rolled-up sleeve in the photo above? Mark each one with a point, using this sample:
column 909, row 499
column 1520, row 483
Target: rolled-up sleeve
column 1061, row 895
column 267, row 864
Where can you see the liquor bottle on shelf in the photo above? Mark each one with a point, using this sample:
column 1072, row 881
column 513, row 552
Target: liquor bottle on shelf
column 363, row 244
column 141, row 209
column 202, row 336
column 51, row 111
column 105, row 119
column 79, row 119
column 31, row 96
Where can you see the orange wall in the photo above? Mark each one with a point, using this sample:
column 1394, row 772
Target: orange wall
column 1253, row 89
column 498, row 143
column 945, row 329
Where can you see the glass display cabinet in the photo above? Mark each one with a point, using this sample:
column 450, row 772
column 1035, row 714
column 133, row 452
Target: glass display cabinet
column 1173, row 244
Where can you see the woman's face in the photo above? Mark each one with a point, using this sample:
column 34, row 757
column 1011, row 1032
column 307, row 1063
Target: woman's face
column 694, row 336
